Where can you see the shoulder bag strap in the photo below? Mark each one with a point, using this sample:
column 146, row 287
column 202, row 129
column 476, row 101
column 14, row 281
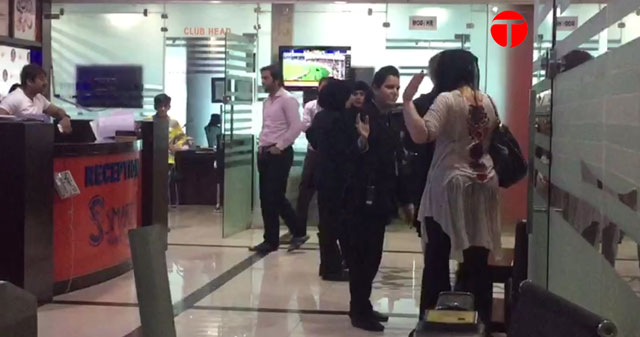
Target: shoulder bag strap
column 495, row 110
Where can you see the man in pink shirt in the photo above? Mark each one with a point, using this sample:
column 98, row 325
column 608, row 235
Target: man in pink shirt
column 280, row 127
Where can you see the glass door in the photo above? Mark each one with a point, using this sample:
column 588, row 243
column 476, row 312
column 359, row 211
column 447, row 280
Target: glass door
column 237, row 136
column 592, row 161
column 540, row 147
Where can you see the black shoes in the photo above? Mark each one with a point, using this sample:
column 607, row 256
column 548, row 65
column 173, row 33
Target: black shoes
column 264, row 248
column 337, row 277
column 297, row 242
column 370, row 322
column 367, row 323
column 380, row 317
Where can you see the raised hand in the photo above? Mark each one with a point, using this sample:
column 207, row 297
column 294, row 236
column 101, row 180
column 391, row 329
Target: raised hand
column 412, row 88
column 363, row 126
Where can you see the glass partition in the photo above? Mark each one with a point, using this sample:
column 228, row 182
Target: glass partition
column 591, row 207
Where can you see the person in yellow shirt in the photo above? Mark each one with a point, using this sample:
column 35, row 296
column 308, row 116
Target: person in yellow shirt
column 178, row 140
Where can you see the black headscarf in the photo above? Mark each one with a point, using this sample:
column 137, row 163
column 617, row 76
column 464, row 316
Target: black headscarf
column 334, row 95
column 360, row 86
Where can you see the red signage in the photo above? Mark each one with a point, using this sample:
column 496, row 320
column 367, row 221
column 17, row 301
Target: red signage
column 204, row 31
column 509, row 29
column 90, row 229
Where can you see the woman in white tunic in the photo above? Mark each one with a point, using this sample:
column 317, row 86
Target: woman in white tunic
column 459, row 207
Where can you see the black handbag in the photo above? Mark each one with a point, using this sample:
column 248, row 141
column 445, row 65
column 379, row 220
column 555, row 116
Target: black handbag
column 506, row 154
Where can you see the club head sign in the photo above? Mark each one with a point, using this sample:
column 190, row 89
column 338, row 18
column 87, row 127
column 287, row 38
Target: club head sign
column 509, row 29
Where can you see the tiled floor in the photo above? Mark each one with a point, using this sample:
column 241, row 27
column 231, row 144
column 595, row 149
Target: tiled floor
column 280, row 295
column 189, row 269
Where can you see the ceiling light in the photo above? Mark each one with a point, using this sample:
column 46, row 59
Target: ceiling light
column 495, row 9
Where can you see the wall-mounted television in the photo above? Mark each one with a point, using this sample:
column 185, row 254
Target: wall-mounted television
column 304, row 66
column 109, row 86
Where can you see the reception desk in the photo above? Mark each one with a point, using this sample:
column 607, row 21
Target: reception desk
column 50, row 245
column 90, row 241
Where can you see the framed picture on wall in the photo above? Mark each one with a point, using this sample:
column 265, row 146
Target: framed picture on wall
column 24, row 19
column 11, row 62
column 4, row 17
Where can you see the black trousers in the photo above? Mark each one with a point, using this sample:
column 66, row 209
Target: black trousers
column 306, row 189
column 174, row 198
column 475, row 276
column 274, row 174
column 366, row 240
column 331, row 232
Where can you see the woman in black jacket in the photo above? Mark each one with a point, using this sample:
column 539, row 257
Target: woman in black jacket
column 375, row 194
column 333, row 134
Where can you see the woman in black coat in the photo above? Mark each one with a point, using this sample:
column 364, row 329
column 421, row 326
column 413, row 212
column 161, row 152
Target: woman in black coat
column 335, row 137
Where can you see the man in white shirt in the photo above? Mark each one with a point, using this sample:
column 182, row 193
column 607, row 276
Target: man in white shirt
column 307, row 187
column 28, row 102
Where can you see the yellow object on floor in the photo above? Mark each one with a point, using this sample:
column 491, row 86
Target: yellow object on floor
column 451, row 317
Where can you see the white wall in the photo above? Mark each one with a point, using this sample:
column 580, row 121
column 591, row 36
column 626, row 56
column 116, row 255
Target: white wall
column 632, row 29
column 351, row 25
column 342, row 25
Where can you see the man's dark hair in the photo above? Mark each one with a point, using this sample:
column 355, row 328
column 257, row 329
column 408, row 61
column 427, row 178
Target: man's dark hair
column 575, row 58
column 335, row 95
column 215, row 120
column 381, row 75
column 433, row 69
column 30, row 72
column 275, row 72
column 161, row 100
column 14, row 87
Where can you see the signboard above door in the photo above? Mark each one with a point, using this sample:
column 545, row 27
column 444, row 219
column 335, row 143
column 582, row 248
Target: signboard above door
column 567, row 23
column 423, row 23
